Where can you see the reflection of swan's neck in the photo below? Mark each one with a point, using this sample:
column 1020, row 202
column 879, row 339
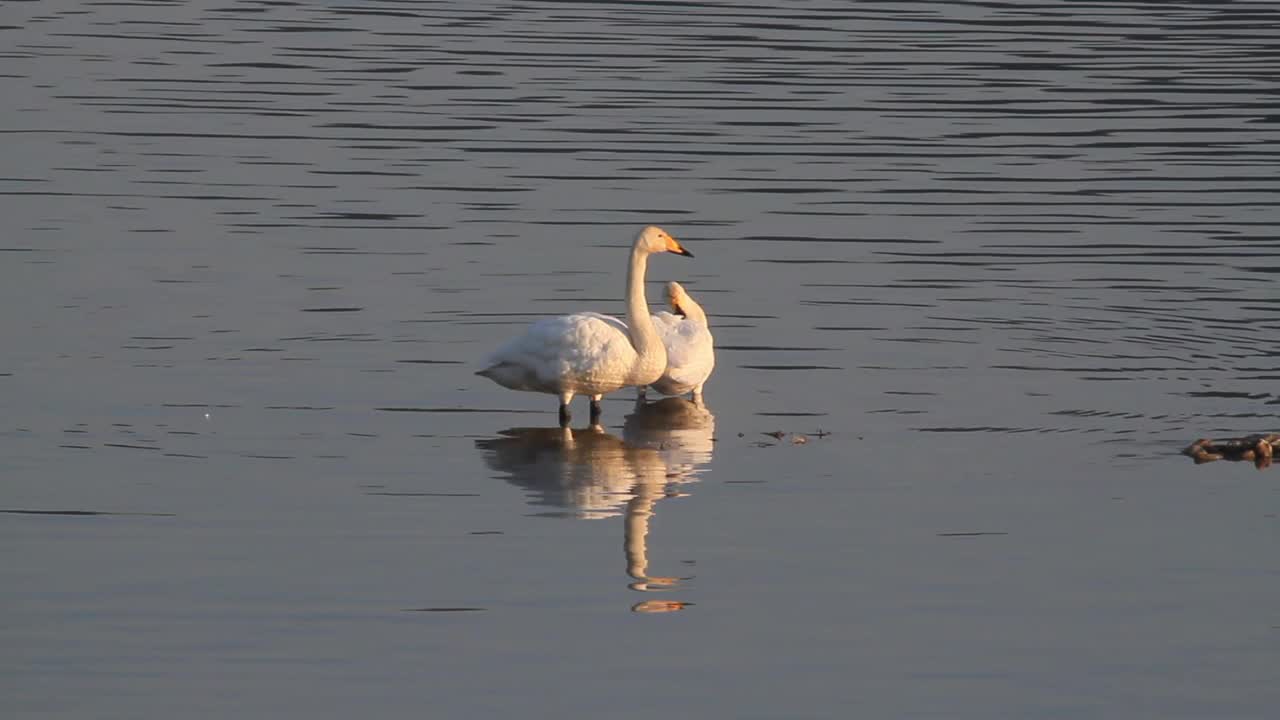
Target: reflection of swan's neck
column 652, row 354
column 639, row 510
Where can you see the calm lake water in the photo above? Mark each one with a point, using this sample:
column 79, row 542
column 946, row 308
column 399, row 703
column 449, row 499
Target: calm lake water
column 994, row 263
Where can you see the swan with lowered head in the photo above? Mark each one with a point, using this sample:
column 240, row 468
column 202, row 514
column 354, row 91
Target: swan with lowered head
column 690, row 353
column 589, row 353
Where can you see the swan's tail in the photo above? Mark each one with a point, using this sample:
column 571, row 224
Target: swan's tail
column 513, row 376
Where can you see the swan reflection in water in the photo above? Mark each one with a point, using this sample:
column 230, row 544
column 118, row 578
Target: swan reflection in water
column 592, row 474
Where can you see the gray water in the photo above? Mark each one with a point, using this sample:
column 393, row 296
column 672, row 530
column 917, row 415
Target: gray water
column 985, row 267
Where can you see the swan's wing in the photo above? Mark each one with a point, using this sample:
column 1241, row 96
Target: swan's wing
column 675, row 333
column 690, row 352
column 609, row 319
column 559, row 350
column 592, row 343
column 666, row 324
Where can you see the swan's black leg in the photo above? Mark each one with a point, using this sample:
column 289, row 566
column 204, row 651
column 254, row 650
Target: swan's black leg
column 595, row 410
column 565, row 416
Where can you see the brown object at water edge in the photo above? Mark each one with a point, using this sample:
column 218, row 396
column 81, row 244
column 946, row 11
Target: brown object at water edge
column 1257, row 449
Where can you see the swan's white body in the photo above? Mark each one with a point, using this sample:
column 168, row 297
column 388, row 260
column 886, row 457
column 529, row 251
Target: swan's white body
column 581, row 354
column 589, row 353
column 690, row 352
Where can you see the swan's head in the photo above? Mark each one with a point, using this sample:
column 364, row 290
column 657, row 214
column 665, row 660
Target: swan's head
column 654, row 239
column 677, row 298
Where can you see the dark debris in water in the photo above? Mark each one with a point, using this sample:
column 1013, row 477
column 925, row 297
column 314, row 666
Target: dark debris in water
column 796, row 438
column 1258, row 449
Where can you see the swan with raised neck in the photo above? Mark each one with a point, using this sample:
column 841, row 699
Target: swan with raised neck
column 589, row 353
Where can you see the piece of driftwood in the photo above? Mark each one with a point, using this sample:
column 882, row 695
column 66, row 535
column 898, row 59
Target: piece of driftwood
column 1257, row 449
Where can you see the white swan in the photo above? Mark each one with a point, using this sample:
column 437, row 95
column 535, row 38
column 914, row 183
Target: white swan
column 690, row 353
column 589, row 353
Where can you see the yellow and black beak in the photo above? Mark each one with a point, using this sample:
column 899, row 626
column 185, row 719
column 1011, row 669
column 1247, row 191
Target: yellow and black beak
column 677, row 248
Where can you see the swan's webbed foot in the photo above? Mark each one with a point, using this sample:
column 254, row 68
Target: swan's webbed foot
column 565, row 416
column 595, row 410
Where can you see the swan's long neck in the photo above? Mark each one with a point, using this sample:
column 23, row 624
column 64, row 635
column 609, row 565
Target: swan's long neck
column 692, row 310
column 644, row 337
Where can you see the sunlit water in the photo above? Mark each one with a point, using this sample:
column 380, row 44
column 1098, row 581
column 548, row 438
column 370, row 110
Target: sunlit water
column 982, row 269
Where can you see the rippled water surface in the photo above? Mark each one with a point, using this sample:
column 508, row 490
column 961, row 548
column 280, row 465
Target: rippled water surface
column 981, row 269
